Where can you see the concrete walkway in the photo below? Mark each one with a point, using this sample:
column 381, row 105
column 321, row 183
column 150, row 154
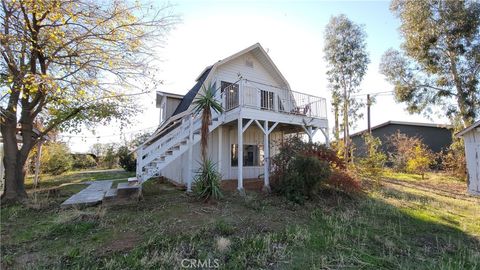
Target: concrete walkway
column 91, row 195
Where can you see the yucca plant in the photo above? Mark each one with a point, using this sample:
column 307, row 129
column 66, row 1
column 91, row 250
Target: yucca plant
column 204, row 104
column 207, row 181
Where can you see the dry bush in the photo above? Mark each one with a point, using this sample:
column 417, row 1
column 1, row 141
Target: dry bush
column 344, row 181
column 406, row 150
column 453, row 159
column 294, row 149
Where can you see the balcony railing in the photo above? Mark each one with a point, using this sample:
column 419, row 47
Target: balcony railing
column 261, row 96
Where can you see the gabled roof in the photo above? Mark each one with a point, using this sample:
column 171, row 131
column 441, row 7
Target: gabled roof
column 464, row 131
column 404, row 124
column 260, row 53
column 256, row 49
column 188, row 98
column 161, row 95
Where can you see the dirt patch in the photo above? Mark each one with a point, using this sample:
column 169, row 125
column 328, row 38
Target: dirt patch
column 124, row 242
column 27, row 260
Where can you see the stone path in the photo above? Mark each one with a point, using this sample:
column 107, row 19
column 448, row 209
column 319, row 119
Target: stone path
column 91, row 195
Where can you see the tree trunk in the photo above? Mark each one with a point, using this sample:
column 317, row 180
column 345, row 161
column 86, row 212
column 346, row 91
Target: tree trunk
column 14, row 189
column 345, row 125
column 337, row 124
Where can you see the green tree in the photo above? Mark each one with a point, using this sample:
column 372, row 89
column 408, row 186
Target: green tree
column 110, row 158
column 69, row 64
column 126, row 159
column 347, row 58
column 439, row 64
column 420, row 159
column 56, row 158
column 83, row 161
column 374, row 162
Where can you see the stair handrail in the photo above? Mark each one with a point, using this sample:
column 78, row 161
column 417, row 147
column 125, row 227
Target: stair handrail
column 146, row 154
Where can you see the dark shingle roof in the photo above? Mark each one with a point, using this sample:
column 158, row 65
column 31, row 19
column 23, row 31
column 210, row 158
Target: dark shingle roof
column 188, row 98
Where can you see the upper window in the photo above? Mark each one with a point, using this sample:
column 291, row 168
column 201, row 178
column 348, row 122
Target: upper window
column 266, row 100
column 253, row 155
column 231, row 94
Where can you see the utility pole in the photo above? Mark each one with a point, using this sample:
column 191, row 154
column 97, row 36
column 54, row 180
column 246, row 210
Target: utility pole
column 369, row 103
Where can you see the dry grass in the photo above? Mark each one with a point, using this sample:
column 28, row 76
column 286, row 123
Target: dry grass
column 406, row 223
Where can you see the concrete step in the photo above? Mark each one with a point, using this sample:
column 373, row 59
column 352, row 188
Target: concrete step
column 110, row 195
column 132, row 180
column 129, row 190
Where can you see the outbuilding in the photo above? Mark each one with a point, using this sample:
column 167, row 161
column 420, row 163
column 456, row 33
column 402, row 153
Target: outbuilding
column 471, row 138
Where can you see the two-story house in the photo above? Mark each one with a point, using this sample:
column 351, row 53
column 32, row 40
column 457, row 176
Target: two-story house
column 260, row 109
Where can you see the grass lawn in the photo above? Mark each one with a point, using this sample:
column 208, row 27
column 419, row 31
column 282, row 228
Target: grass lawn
column 406, row 223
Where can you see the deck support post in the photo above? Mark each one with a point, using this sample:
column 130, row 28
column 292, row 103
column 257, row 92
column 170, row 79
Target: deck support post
column 325, row 134
column 220, row 149
column 139, row 169
column 240, row 156
column 266, row 158
column 190, row 155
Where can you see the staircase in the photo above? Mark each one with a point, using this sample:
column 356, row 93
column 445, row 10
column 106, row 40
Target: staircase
column 161, row 149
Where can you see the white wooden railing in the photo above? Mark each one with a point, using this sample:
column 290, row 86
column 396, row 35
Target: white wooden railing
column 165, row 140
column 262, row 96
column 244, row 93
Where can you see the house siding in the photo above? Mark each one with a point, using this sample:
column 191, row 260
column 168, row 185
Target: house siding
column 178, row 170
column 472, row 154
column 229, row 71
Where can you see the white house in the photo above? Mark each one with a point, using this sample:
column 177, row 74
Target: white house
column 260, row 109
column 471, row 138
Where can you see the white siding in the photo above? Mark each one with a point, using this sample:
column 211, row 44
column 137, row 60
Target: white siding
column 177, row 170
column 229, row 71
column 472, row 153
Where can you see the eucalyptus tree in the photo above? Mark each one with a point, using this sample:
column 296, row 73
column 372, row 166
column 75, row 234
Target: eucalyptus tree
column 347, row 58
column 438, row 65
column 67, row 64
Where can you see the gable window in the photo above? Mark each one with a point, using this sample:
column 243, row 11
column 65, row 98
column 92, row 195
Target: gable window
column 230, row 90
column 266, row 100
column 253, row 155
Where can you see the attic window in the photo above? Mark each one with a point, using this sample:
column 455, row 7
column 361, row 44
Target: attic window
column 249, row 63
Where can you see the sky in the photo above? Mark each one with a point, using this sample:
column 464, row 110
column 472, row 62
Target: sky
column 291, row 32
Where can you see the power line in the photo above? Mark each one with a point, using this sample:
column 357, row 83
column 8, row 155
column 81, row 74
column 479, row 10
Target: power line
column 374, row 94
column 103, row 136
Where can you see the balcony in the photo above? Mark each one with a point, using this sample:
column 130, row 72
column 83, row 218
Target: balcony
column 268, row 98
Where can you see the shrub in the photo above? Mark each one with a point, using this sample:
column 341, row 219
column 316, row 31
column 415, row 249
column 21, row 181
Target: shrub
column 110, row 158
column 373, row 164
column 453, row 159
column 410, row 154
column 126, row 159
column 294, row 145
column 83, row 161
column 207, row 182
column 302, row 178
column 56, row 158
column 296, row 174
column 419, row 160
column 344, row 181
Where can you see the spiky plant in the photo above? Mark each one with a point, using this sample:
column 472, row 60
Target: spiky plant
column 204, row 104
column 207, row 181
